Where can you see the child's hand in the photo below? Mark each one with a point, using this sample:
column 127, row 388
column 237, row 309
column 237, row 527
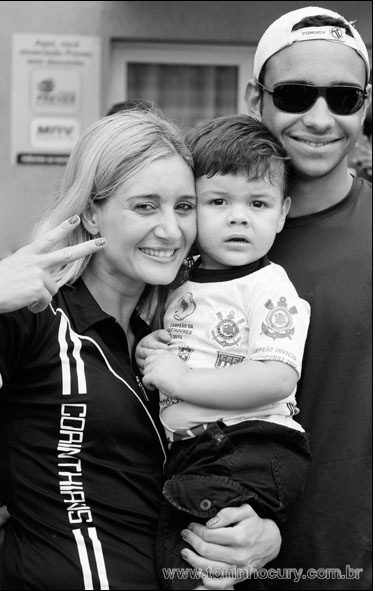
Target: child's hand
column 166, row 372
column 157, row 340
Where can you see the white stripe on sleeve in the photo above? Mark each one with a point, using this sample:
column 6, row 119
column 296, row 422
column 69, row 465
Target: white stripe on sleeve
column 84, row 559
column 65, row 366
column 98, row 552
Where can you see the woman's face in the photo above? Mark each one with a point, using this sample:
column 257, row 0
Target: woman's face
column 149, row 224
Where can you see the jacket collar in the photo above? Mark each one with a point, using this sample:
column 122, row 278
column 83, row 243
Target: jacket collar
column 83, row 309
column 85, row 312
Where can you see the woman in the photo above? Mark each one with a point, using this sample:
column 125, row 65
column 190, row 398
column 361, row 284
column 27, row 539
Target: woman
column 82, row 451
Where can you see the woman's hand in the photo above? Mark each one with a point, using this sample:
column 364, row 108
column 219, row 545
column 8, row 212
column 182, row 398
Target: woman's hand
column 234, row 544
column 25, row 276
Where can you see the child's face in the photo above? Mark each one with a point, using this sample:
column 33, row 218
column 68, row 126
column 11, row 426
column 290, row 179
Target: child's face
column 238, row 218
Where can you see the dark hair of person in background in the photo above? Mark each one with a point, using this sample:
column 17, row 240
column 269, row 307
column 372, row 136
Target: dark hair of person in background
column 131, row 104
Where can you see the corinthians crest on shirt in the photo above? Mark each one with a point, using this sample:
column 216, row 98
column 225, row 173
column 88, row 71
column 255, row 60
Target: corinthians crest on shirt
column 227, row 332
column 279, row 320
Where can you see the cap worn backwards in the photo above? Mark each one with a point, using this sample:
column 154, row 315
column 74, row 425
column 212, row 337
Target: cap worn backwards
column 280, row 35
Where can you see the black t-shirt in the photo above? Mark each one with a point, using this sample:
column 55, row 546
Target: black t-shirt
column 81, row 450
column 327, row 256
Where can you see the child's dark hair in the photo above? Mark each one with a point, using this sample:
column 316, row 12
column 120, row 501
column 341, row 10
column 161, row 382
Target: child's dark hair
column 237, row 144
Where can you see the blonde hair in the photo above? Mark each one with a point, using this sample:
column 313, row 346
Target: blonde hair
column 108, row 153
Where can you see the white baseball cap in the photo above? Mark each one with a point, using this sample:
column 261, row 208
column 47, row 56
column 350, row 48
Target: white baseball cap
column 280, row 35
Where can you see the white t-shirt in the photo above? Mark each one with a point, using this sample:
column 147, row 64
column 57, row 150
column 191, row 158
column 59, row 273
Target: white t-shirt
column 220, row 318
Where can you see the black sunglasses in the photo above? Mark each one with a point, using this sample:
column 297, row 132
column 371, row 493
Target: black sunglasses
column 299, row 98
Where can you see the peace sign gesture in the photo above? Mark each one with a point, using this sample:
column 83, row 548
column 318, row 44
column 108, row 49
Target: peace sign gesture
column 25, row 276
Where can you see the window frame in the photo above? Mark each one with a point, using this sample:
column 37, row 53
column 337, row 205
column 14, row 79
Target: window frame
column 123, row 52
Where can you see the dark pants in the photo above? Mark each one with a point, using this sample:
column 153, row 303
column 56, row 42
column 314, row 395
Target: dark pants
column 254, row 462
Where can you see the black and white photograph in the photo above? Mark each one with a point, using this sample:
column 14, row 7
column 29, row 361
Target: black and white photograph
column 186, row 296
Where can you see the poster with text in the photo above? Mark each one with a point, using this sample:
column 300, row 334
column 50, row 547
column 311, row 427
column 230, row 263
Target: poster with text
column 55, row 95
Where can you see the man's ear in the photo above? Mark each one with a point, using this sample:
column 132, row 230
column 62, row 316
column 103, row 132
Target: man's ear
column 253, row 99
column 367, row 102
column 90, row 219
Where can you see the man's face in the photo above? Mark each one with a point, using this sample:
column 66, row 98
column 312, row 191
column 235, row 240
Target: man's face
column 318, row 140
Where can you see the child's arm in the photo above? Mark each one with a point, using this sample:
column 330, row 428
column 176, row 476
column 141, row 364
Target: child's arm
column 244, row 385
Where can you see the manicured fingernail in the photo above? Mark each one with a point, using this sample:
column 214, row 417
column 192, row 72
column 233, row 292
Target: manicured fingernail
column 184, row 554
column 100, row 241
column 74, row 219
column 212, row 521
column 184, row 534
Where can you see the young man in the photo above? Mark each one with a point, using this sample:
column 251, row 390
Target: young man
column 237, row 333
column 310, row 87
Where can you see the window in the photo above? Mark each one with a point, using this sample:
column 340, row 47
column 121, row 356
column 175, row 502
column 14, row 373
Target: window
column 189, row 83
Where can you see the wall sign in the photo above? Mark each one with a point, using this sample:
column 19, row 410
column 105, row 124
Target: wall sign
column 55, row 95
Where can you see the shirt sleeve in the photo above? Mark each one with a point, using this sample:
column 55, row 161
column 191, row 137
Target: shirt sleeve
column 279, row 320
